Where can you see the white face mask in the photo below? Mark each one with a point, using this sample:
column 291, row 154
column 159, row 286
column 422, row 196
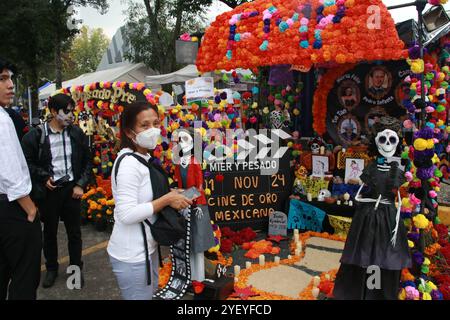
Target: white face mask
column 148, row 139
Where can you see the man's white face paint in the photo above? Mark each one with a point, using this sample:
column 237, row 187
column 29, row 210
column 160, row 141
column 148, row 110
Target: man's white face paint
column 66, row 119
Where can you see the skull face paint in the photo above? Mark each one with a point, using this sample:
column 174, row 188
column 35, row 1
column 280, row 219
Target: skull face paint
column 65, row 117
column 387, row 142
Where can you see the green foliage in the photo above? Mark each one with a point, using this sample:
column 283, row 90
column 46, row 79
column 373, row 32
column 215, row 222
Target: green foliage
column 152, row 29
column 85, row 52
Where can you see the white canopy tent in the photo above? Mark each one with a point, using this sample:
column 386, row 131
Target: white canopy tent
column 128, row 73
column 182, row 75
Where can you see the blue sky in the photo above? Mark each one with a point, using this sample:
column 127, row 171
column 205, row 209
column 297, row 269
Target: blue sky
column 115, row 17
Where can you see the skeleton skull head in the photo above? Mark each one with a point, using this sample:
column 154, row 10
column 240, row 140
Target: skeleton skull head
column 387, row 141
column 315, row 148
column 324, row 193
column 186, row 142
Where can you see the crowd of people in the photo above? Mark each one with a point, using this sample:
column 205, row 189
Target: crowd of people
column 43, row 176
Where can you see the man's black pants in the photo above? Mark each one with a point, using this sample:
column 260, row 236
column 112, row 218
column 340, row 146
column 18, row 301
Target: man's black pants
column 20, row 253
column 60, row 204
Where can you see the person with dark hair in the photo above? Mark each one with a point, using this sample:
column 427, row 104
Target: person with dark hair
column 60, row 163
column 132, row 248
column 378, row 76
column 20, row 230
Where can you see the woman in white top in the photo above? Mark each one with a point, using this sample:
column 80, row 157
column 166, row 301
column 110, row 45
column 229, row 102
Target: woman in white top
column 133, row 195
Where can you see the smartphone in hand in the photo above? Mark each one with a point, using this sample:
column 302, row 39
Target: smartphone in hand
column 191, row 193
column 61, row 181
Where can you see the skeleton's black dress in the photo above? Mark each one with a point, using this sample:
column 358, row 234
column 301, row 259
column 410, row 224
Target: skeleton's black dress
column 370, row 241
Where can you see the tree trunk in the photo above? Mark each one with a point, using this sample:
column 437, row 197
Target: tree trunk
column 154, row 30
column 176, row 34
column 34, row 81
column 58, row 61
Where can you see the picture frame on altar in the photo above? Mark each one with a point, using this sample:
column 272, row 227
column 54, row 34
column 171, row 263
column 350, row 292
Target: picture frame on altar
column 320, row 166
column 353, row 169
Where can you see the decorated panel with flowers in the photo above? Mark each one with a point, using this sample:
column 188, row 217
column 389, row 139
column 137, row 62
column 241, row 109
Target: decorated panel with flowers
column 300, row 33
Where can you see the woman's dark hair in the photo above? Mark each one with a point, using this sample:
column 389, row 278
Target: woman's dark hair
column 128, row 121
column 6, row 65
column 60, row 101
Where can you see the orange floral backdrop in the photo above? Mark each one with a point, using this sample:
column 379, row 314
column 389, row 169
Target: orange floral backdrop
column 241, row 38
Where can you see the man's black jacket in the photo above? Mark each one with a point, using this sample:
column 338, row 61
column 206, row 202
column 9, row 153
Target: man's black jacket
column 41, row 169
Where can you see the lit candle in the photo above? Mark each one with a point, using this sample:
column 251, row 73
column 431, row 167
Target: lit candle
column 237, row 269
column 315, row 292
column 262, row 260
column 295, row 231
column 299, row 245
column 343, row 150
column 316, row 281
column 338, row 202
column 236, row 279
column 296, row 237
column 322, row 150
column 289, row 257
column 350, row 203
column 309, row 196
column 277, row 260
column 248, row 264
column 297, row 252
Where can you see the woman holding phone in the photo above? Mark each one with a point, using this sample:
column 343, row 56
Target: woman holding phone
column 133, row 194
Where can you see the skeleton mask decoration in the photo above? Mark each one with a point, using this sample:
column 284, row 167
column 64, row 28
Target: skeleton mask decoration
column 315, row 148
column 186, row 142
column 387, row 142
column 324, row 193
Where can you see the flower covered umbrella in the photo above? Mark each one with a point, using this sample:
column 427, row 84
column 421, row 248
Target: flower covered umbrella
column 300, row 33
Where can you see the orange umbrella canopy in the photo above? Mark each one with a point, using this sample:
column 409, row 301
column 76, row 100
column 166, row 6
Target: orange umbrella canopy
column 300, row 33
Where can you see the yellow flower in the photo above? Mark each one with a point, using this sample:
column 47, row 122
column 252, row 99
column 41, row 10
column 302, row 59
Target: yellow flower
column 402, row 294
column 410, row 244
column 109, row 212
column 426, row 261
column 431, row 285
column 207, row 192
column 110, row 202
column 420, row 221
column 426, row 296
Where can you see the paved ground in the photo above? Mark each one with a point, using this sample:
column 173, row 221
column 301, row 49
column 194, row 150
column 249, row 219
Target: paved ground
column 100, row 283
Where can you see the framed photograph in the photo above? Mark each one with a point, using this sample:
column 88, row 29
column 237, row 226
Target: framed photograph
column 320, row 166
column 353, row 169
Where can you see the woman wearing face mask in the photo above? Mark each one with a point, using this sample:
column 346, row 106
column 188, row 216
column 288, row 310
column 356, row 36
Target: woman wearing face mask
column 133, row 195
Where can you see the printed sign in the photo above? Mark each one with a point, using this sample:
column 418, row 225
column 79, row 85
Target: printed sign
column 363, row 95
column 199, row 89
column 277, row 224
column 245, row 197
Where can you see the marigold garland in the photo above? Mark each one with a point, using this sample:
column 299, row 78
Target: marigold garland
column 306, row 294
column 264, row 33
column 324, row 87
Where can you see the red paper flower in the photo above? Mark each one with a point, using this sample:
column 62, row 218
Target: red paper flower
column 244, row 293
column 198, row 287
column 276, row 239
column 219, row 178
column 226, row 246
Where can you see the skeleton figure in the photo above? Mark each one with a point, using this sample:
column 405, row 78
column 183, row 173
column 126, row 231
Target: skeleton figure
column 189, row 174
column 324, row 193
column 376, row 237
